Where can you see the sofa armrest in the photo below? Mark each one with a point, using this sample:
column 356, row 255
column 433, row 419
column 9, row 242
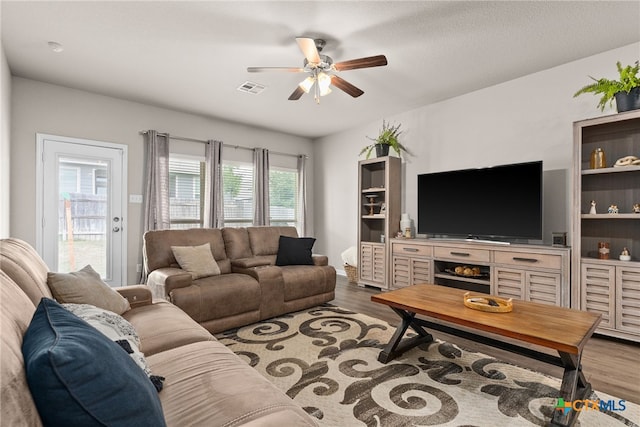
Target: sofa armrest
column 256, row 261
column 271, row 287
column 137, row 295
column 164, row 280
column 320, row 260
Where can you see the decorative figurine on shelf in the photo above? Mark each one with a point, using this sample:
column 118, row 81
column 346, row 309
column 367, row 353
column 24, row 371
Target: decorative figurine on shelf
column 592, row 211
column 636, row 208
column 407, row 233
column 625, row 255
column 383, row 208
column 627, row 161
column 613, row 209
column 603, row 250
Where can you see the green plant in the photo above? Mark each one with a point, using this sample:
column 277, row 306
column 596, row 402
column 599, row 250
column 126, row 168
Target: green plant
column 608, row 88
column 388, row 136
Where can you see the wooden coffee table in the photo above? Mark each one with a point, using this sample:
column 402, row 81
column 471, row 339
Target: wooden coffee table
column 561, row 329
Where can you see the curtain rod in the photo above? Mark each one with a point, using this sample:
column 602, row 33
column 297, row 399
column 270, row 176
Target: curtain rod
column 182, row 138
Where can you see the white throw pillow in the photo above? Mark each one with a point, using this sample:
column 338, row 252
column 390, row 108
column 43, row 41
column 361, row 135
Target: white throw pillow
column 197, row 260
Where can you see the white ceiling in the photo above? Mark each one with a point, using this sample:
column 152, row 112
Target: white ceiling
column 191, row 56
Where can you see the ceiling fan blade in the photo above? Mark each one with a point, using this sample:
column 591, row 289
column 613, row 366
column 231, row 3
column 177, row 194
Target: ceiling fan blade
column 309, row 50
column 370, row 61
column 345, row 86
column 296, row 94
column 287, row 69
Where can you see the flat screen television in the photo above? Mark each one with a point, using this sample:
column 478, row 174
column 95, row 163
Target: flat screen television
column 501, row 203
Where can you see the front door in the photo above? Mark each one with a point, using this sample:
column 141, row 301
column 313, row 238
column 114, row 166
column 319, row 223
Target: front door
column 81, row 200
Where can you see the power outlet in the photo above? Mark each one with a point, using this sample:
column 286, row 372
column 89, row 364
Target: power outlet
column 138, row 268
column 135, row 198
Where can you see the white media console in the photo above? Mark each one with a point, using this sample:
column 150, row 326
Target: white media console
column 527, row 272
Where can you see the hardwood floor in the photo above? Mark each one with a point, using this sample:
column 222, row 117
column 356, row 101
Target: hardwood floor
column 611, row 366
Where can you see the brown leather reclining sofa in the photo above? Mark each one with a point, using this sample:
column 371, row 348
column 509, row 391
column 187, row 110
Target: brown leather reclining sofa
column 250, row 287
column 205, row 383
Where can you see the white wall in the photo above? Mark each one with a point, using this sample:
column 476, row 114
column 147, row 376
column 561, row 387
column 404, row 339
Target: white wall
column 45, row 108
column 5, row 131
column 526, row 119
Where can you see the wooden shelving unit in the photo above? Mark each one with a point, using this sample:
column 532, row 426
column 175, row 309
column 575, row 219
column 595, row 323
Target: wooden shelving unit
column 607, row 286
column 378, row 185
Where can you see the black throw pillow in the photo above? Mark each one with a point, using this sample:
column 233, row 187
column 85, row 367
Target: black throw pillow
column 295, row 251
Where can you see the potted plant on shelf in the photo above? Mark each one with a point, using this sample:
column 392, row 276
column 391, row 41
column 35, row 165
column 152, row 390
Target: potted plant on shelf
column 626, row 90
column 388, row 137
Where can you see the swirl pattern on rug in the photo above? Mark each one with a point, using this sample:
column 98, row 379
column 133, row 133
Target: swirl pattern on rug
column 325, row 358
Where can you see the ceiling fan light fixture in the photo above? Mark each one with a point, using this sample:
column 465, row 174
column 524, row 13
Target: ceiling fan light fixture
column 307, row 83
column 324, row 83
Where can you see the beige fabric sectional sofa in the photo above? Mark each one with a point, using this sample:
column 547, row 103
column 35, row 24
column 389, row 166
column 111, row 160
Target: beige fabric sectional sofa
column 250, row 287
column 205, row 383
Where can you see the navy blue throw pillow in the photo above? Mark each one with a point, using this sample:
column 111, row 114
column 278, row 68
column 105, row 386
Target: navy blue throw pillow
column 78, row 376
column 295, row 251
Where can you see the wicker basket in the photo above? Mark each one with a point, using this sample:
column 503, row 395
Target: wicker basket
column 352, row 273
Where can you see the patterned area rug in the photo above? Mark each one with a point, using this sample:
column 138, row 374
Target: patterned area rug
column 325, row 359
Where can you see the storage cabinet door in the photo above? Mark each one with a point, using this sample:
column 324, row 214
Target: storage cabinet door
column 598, row 291
column 366, row 262
column 379, row 264
column 400, row 273
column 421, row 271
column 628, row 299
column 543, row 287
column 509, row 282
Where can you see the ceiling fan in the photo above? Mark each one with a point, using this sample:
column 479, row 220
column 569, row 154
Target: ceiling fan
column 321, row 69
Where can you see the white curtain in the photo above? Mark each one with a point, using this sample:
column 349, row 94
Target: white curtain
column 302, row 195
column 156, row 194
column 261, row 186
column 213, row 199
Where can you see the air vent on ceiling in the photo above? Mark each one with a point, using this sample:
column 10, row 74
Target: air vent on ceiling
column 251, row 87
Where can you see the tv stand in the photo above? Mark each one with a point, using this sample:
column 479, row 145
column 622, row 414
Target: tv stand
column 527, row 272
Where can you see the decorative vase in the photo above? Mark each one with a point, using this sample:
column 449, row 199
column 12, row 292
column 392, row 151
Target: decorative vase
column 598, row 159
column 382, row 150
column 628, row 101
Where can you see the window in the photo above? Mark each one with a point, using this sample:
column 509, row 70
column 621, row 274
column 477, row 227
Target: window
column 283, row 196
column 69, row 179
column 237, row 186
column 100, row 181
column 186, row 192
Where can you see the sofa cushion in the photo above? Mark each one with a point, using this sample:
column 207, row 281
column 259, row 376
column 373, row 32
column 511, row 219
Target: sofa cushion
column 78, row 376
column 197, row 260
column 118, row 330
column 236, row 242
column 86, row 287
column 157, row 246
column 304, row 281
column 265, row 240
column 216, row 297
column 209, row 385
column 295, row 251
column 162, row 326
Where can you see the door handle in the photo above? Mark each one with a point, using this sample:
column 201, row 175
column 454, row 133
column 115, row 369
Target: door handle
column 116, row 229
